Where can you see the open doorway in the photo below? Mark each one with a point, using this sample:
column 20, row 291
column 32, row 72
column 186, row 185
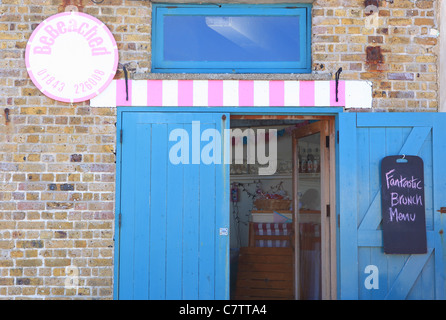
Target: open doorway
column 282, row 235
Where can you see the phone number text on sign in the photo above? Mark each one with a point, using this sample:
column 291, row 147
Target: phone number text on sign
column 71, row 57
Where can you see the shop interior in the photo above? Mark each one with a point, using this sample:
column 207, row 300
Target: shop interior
column 265, row 263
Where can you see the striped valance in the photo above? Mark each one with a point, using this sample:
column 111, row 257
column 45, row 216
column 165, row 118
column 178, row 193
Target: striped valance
column 235, row 93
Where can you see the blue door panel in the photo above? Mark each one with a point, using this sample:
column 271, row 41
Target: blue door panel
column 364, row 140
column 347, row 183
column 169, row 244
column 174, row 245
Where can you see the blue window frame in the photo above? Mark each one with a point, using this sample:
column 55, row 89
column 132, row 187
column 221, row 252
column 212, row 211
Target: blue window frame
column 231, row 38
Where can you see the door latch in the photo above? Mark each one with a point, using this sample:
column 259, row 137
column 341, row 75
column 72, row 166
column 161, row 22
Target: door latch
column 442, row 210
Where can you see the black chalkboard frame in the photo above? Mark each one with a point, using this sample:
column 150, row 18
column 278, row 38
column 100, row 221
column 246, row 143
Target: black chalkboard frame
column 403, row 205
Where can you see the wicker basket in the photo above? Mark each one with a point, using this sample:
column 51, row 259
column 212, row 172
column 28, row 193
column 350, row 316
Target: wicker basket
column 272, row 204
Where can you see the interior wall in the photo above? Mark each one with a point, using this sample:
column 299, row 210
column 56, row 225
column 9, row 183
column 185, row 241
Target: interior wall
column 247, row 179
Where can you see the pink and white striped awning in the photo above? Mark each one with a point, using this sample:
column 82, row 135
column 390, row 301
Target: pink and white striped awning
column 235, row 93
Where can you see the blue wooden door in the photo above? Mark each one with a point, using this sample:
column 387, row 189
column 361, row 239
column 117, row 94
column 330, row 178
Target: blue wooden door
column 173, row 206
column 365, row 272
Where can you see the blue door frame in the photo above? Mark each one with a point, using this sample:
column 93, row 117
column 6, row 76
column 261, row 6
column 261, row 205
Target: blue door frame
column 351, row 237
column 317, row 111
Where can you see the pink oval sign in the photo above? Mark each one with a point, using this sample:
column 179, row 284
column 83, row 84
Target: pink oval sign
column 71, row 57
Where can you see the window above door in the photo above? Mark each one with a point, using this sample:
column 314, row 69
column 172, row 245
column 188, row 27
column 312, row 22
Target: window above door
column 231, row 38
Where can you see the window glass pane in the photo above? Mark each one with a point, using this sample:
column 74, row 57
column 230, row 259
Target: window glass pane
column 231, row 38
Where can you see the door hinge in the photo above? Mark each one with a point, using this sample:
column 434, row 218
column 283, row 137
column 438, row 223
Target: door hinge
column 120, row 136
column 442, row 210
column 328, row 210
column 327, row 142
column 119, row 220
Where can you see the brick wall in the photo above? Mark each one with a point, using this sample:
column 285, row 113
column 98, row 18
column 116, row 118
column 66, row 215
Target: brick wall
column 57, row 173
column 57, row 161
column 402, row 57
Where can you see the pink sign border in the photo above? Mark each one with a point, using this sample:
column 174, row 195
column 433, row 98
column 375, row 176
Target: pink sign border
column 80, row 99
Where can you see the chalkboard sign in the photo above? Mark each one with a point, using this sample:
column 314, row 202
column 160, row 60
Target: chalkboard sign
column 403, row 206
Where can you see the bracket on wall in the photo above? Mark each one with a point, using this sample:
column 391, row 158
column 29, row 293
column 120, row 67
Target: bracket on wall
column 371, row 3
column 374, row 3
column 126, row 83
column 374, row 55
column 337, row 75
column 7, row 115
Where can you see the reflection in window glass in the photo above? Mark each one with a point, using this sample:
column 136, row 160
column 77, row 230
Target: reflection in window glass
column 231, row 38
